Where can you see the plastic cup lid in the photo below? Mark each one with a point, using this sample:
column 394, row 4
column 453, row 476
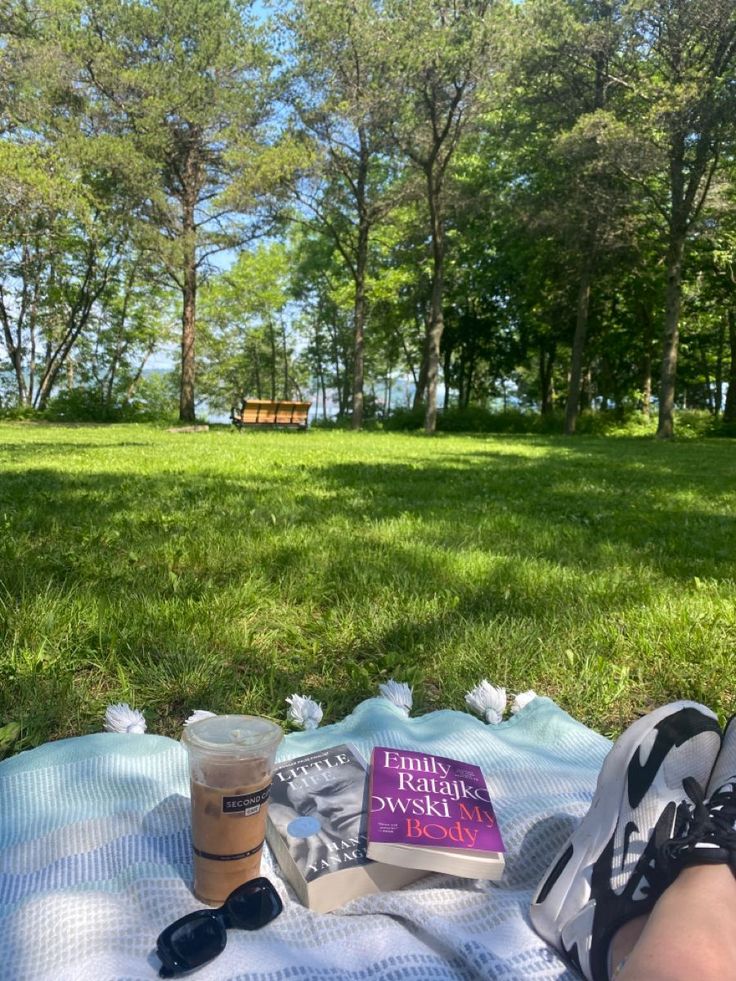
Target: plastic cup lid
column 233, row 734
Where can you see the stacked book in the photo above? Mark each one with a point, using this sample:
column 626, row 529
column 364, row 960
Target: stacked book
column 338, row 833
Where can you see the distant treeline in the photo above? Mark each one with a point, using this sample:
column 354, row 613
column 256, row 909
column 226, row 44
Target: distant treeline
column 473, row 201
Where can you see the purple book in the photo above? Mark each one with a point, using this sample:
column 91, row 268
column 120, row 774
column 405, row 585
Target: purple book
column 430, row 812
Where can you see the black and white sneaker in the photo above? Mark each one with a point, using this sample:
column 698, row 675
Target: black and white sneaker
column 610, row 870
column 709, row 834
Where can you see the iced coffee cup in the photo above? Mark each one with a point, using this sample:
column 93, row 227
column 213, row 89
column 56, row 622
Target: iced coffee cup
column 230, row 763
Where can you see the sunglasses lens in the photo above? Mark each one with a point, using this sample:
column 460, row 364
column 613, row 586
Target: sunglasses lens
column 253, row 905
column 192, row 941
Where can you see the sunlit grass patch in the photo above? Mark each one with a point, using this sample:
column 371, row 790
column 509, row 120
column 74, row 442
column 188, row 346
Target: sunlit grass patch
column 225, row 571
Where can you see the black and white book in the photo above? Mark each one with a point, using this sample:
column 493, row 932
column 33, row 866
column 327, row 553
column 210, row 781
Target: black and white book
column 317, row 830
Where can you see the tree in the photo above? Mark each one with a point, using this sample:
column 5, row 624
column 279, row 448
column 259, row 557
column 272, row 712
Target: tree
column 192, row 106
column 440, row 59
column 248, row 345
column 340, row 97
column 682, row 100
column 55, row 276
column 133, row 318
column 481, row 341
column 569, row 143
column 63, row 226
column 722, row 287
column 325, row 295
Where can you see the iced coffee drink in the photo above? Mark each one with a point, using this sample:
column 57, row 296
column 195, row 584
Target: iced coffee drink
column 230, row 762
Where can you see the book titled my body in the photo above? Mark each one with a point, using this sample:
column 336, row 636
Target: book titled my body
column 421, row 801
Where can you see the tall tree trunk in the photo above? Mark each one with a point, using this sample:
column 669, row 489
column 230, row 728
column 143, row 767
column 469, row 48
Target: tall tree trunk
column 646, row 394
column 586, row 389
column 446, row 371
column 436, row 321
column 720, row 350
column 546, row 364
column 469, row 378
column 420, row 385
column 188, row 332
column 572, row 406
column 361, row 264
column 578, row 345
column 320, row 369
column 671, row 336
column 706, row 376
column 14, row 352
column 338, row 374
column 347, row 393
column 286, row 358
column 272, row 339
column 32, row 324
column 420, row 381
column 191, row 185
column 729, row 410
column 646, row 388
column 257, row 370
column 189, row 307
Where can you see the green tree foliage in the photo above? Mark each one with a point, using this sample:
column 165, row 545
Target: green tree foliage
column 248, row 348
column 526, row 204
column 680, row 79
column 438, row 71
column 133, row 319
column 64, row 228
column 342, row 104
column 187, row 87
column 326, row 301
column 568, row 145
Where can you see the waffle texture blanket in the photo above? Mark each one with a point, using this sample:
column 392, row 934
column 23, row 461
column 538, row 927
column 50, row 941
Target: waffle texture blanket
column 95, row 859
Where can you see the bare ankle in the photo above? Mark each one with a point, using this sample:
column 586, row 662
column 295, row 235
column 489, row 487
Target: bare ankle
column 624, row 941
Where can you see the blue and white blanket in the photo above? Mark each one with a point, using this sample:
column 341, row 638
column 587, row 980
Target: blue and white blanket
column 95, row 859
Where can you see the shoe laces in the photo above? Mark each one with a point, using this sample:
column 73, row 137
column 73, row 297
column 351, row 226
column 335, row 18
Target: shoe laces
column 702, row 824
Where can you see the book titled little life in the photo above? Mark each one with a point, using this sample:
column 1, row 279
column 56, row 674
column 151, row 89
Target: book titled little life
column 317, row 830
column 433, row 813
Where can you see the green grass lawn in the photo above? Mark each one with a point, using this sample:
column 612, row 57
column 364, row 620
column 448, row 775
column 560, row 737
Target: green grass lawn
column 225, row 571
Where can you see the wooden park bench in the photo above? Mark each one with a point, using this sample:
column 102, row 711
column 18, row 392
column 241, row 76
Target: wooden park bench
column 265, row 414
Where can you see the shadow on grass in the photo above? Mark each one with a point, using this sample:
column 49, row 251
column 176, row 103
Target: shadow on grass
column 582, row 509
column 61, row 447
column 330, row 567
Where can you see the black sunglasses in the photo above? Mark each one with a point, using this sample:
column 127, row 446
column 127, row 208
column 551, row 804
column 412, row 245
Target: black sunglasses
column 200, row 936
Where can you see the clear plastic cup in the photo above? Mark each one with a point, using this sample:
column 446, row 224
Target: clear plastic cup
column 230, row 765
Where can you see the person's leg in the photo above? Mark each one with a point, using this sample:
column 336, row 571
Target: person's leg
column 607, row 874
column 691, row 932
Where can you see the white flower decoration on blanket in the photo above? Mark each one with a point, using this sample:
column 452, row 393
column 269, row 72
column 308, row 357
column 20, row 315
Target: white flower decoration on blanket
column 304, row 712
column 197, row 715
column 522, row 699
column 122, row 718
column 489, row 702
column 399, row 693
